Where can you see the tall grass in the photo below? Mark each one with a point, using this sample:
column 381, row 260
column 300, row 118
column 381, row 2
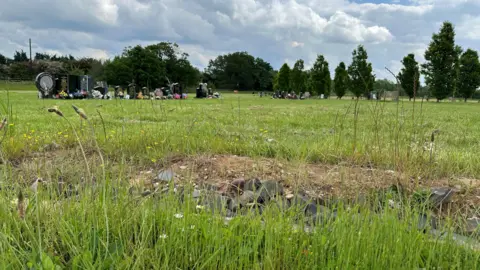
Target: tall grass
column 149, row 233
column 312, row 130
column 103, row 226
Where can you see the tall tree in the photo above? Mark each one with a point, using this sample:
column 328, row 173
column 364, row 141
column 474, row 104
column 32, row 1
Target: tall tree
column 360, row 73
column 3, row 59
column 176, row 66
column 275, row 81
column 238, row 70
column 327, row 80
column 20, row 56
column 97, row 70
column 85, row 64
column 439, row 68
column 42, row 56
column 118, row 71
column 409, row 76
column 3, row 66
column 297, row 80
column 469, row 74
column 456, row 66
column 383, row 85
column 320, row 80
column 185, row 73
column 263, row 75
column 284, row 78
column 148, row 70
column 341, row 80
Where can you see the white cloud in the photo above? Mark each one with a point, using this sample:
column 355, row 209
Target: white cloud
column 469, row 27
column 345, row 28
column 297, row 44
column 107, row 11
column 272, row 29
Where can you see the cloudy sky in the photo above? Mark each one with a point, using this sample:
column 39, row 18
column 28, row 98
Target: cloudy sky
column 276, row 30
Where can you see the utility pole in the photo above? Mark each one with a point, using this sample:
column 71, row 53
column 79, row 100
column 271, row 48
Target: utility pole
column 30, row 47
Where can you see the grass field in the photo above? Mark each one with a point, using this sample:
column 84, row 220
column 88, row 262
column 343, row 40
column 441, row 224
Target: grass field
column 384, row 134
column 18, row 86
column 105, row 227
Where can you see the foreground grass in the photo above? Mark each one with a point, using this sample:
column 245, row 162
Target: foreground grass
column 383, row 134
column 116, row 231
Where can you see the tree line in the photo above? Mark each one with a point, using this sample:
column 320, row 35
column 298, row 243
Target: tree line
column 151, row 66
column 358, row 78
column 449, row 71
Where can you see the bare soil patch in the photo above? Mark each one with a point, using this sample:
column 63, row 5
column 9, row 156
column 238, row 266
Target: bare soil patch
column 317, row 180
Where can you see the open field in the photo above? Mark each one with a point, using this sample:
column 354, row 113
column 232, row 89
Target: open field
column 334, row 148
column 386, row 135
column 18, row 86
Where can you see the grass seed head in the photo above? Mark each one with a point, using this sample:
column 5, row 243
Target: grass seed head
column 80, row 112
column 3, row 124
column 21, row 205
column 56, row 110
column 432, row 137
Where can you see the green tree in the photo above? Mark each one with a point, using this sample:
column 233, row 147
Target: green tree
column 175, row 64
column 240, row 71
column 97, row 71
column 118, row 71
column 42, row 56
column 263, row 74
column 20, row 70
column 360, row 73
column 151, row 66
column 20, row 56
column 284, row 78
column 3, row 59
column 62, row 58
column 469, row 74
column 53, row 67
column 409, row 76
column 275, row 81
column 148, row 70
column 456, row 66
column 327, row 80
column 439, row 68
column 85, row 64
column 3, row 66
column 320, row 80
column 384, row 85
column 297, row 79
column 341, row 80
column 186, row 74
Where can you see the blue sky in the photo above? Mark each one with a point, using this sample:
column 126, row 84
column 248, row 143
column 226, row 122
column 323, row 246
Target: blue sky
column 277, row 30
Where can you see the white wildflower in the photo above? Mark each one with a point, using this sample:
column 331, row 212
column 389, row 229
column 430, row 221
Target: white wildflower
column 178, row 215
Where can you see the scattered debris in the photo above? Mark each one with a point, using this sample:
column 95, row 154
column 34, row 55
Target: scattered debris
column 165, row 175
column 441, row 196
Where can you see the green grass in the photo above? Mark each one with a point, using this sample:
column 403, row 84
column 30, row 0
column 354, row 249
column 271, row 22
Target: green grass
column 18, row 86
column 118, row 232
column 385, row 134
column 103, row 229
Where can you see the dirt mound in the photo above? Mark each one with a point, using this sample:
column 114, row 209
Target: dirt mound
column 321, row 179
